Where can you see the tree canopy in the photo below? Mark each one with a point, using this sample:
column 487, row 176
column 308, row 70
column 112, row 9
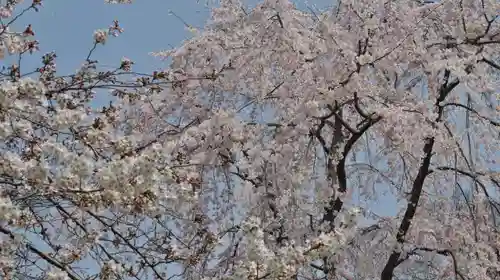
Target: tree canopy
column 266, row 150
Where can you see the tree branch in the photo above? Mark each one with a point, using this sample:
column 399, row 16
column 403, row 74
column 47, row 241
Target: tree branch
column 418, row 183
column 44, row 256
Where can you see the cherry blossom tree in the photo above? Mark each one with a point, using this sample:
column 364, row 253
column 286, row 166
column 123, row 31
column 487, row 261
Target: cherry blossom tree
column 326, row 109
column 263, row 151
column 85, row 193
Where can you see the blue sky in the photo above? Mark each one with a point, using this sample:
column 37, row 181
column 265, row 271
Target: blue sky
column 66, row 26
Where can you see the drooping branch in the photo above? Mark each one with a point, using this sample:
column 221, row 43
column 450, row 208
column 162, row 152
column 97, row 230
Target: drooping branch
column 492, row 122
column 474, row 177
